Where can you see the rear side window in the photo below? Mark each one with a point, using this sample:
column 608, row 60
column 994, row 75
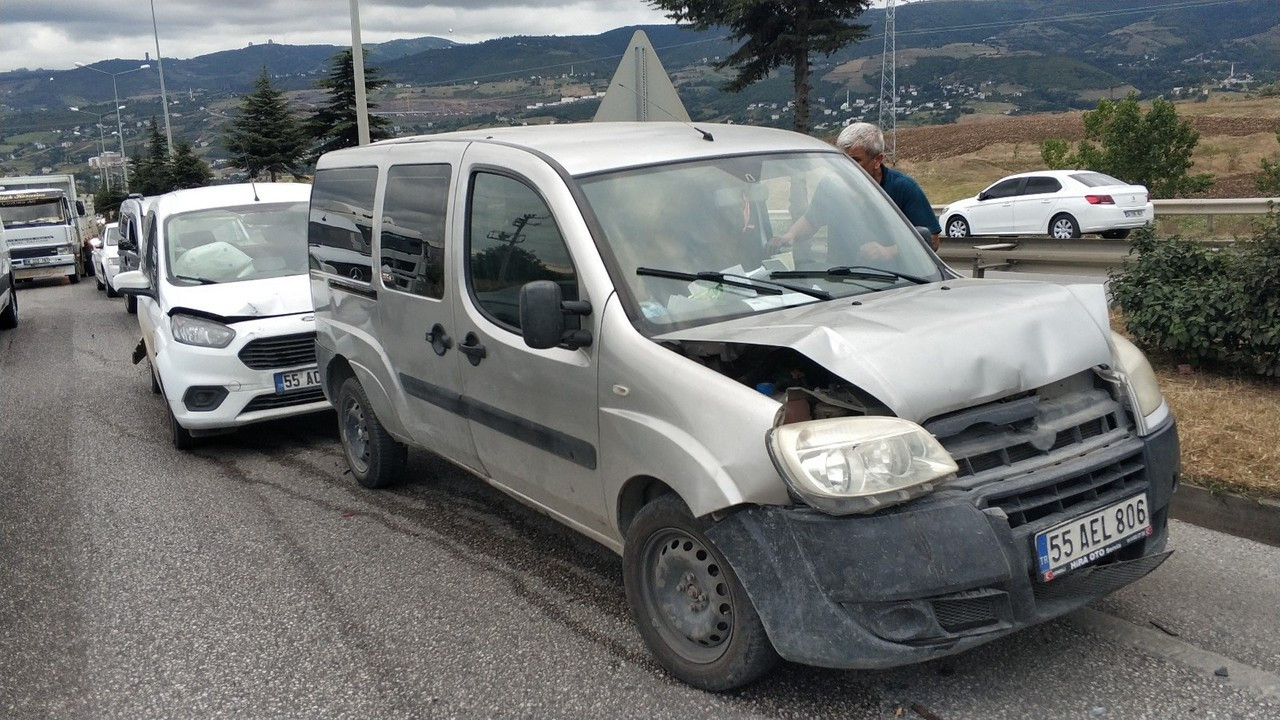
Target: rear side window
column 1041, row 185
column 340, row 226
column 512, row 239
column 1096, row 179
column 412, row 236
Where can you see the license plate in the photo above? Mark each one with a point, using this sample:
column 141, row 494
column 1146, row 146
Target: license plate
column 1133, row 213
column 295, row 380
column 1088, row 538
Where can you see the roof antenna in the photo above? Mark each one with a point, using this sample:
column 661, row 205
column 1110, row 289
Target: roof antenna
column 705, row 135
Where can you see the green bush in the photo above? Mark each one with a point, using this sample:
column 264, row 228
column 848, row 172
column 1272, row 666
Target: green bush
column 1204, row 305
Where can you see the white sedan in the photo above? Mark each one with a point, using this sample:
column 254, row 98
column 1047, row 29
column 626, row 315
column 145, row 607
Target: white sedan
column 1060, row 203
column 106, row 259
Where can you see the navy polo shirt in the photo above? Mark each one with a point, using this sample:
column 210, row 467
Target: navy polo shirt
column 910, row 198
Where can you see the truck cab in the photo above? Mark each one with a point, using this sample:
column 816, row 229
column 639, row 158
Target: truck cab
column 43, row 233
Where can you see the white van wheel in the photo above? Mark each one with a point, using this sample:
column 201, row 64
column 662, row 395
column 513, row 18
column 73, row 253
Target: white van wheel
column 692, row 612
column 376, row 458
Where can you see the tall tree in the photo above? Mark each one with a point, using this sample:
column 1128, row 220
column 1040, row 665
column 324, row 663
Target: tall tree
column 1152, row 149
column 265, row 136
column 774, row 34
column 149, row 172
column 186, row 169
column 334, row 126
column 1269, row 179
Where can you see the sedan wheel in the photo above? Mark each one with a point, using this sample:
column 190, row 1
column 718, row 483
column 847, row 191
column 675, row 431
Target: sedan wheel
column 1064, row 227
column 957, row 227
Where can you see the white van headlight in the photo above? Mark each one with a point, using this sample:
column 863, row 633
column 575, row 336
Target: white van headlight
column 858, row 464
column 191, row 330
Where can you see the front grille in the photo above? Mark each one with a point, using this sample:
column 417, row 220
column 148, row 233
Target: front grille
column 293, row 399
column 1098, row 580
column 284, row 351
column 23, row 253
column 1045, row 452
column 968, row 610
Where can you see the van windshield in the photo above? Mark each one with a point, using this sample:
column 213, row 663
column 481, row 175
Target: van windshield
column 229, row 244
column 703, row 241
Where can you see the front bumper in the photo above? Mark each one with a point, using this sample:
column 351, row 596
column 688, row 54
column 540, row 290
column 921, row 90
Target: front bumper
column 927, row 579
column 242, row 395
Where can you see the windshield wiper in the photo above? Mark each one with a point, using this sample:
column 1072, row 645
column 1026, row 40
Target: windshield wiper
column 760, row 285
column 200, row 280
column 861, row 272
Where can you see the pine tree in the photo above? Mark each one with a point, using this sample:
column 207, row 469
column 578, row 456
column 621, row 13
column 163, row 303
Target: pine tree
column 265, row 137
column 334, row 126
column 186, row 169
column 149, row 173
column 774, row 34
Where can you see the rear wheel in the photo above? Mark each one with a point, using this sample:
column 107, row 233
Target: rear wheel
column 1115, row 234
column 1064, row 227
column 688, row 605
column 376, row 459
column 957, row 227
column 9, row 318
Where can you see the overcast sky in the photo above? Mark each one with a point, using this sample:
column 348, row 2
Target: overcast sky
column 55, row 34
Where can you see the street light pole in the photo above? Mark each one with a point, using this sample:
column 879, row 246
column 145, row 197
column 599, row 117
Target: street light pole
column 164, row 97
column 124, row 159
column 102, row 143
column 357, row 72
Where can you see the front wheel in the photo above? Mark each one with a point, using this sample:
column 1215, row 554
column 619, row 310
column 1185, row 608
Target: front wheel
column 181, row 437
column 1064, row 227
column 957, row 227
column 9, row 318
column 692, row 612
column 376, row 459
column 130, row 304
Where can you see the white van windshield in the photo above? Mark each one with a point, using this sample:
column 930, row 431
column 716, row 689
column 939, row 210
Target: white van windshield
column 228, row 244
column 671, row 228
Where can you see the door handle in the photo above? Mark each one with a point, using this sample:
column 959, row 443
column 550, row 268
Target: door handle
column 439, row 339
column 472, row 348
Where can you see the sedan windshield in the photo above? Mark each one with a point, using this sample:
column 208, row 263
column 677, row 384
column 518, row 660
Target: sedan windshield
column 690, row 238
column 229, row 244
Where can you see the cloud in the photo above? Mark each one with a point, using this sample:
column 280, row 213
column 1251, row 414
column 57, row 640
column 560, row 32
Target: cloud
column 55, row 35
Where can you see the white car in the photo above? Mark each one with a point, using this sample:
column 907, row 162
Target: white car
column 8, row 291
column 225, row 307
column 106, row 258
column 1060, row 203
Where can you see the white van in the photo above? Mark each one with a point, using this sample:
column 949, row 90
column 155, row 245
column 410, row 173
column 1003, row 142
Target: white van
column 839, row 452
column 133, row 213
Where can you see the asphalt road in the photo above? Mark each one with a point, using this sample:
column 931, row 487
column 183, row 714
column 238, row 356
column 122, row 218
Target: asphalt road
column 252, row 578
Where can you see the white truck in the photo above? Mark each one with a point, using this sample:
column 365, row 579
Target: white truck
column 43, row 226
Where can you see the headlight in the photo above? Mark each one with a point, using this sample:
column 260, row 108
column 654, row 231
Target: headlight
column 66, row 250
column 858, row 464
column 192, row 330
column 1128, row 359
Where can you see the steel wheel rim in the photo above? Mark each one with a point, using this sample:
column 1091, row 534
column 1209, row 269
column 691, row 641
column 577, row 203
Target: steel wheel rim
column 688, row 596
column 355, row 434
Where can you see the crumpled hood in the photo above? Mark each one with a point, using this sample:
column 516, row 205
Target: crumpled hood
column 927, row 350
column 268, row 297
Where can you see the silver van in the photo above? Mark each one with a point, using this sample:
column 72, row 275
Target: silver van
column 133, row 213
column 833, row 450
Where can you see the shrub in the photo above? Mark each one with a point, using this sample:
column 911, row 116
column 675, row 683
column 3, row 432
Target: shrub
column 1205, row 305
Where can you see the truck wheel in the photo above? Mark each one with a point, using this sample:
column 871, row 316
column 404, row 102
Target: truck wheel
column 75, row 277
column 376, row 459
column 692, row 612
column 9, row 318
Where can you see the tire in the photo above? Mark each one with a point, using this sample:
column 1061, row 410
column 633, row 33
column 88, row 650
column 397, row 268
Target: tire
column 155, row 382
column 111, row 292
column 692, row 612
column 9, row 318
column 75, row 277
column 1115, row 234
column 957, row 227
column 376, row 459
column 1064, row 227
column 131, row 304
column 97, row 279
column 181, row 437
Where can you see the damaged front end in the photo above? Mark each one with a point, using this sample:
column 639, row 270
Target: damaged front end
column 920, row 524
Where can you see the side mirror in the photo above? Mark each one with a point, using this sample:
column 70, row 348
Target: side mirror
column 126, row 244
column 983, row 196
column 134, row 284
column 543, row 312
column 79, row 208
